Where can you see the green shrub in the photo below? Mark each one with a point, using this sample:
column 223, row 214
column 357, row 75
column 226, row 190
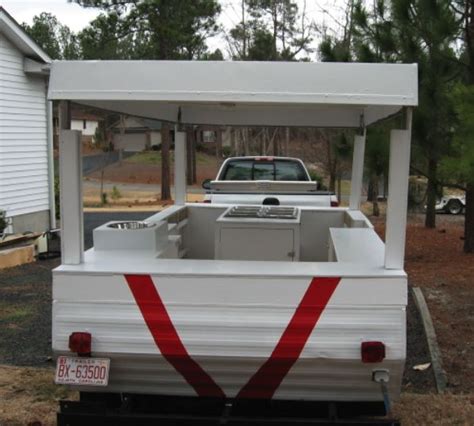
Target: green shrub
column 3, row 221
column 314, row 175
column 115, row 194
column 226, row 151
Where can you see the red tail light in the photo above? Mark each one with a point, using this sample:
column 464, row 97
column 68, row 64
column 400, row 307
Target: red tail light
column 206, row 201
column 81, row 343
column 334, row 203
column 372, row 352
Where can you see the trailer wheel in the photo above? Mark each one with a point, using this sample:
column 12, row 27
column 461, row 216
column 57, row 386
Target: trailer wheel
column 454, row 207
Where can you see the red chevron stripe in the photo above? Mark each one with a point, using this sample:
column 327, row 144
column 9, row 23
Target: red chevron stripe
column 268, row 378
column 167, row 339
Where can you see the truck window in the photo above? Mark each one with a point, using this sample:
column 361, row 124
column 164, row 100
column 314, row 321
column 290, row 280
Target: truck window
column 238, row 170
column 289, row 170
column 263, row 171
column 250, row 169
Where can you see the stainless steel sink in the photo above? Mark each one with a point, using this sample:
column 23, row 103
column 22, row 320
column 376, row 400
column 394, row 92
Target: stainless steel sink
column 130, row 224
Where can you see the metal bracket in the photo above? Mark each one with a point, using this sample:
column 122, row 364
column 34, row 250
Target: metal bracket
column 362, row 125
column 179, row 125
column 225, row 413
column 382, row 377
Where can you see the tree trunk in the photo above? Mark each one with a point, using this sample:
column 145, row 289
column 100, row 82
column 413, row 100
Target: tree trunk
column 102, row 196
column 193, row 156
column 165, row 162
column 332, row 181
column 219, row 144
column 370, row 191
column 189, row 155
column 275, row 143
column 339, row 188
column 232, row 143
column 469, row 220
column 245, row 141
column 430, row 218
column 287, row 141
column 374, row 196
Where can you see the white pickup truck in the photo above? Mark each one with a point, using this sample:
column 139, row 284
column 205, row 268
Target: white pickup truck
column 266, row 180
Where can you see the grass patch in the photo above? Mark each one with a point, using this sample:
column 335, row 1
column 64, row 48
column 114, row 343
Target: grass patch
column 154, row 158
column 28, row 395
column 11, row 313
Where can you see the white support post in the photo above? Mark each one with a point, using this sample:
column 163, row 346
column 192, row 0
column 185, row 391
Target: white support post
column 357, row 171
column 397, row 198
column 179, row 167
column 70, row 174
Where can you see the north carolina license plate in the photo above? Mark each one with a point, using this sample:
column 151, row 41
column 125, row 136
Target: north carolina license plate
column 82, row 371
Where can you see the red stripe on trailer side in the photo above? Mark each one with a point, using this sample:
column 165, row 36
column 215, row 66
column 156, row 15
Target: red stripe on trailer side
column 268, row 378
column 166, row 337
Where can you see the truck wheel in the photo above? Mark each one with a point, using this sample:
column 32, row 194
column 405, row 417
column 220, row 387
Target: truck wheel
column 454, row 207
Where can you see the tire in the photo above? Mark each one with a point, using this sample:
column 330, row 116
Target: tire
column 454, row 207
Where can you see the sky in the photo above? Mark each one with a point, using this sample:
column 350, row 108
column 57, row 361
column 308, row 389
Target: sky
column 322, row 12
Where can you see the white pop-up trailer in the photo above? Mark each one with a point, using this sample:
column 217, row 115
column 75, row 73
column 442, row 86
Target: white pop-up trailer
column 226, row 303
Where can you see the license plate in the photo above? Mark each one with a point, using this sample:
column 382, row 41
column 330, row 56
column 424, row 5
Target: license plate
column 82, row 371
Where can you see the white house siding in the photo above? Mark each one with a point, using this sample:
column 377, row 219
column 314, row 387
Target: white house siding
column 155, row 138
column 130, row 142
column 23, row 136
column 90, row 128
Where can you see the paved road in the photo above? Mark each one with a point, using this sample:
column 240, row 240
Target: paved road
column 93, row 220
column 135, row 187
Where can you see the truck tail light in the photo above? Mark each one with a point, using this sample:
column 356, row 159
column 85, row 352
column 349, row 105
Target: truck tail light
column 372, row 352
column 334, row 203
column 206, row 201
column 81, row 343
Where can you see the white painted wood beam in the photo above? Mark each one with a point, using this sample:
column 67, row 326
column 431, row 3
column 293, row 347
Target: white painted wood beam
column 399, row 170
column 70, row 174
column 357, row 171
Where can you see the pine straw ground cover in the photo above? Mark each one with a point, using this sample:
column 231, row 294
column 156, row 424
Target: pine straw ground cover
column 435, row 262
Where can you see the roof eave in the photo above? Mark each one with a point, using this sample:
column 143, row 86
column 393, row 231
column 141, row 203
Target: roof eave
column 15, row 33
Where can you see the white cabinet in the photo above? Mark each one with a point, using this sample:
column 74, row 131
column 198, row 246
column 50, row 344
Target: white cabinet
column 258, row 233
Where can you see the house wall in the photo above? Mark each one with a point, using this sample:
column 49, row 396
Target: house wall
column 23, row 141
column 131, row 142
column 90, row 128
column 155, row 138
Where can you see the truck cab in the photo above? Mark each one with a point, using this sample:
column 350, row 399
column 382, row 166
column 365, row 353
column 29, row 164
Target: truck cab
column 266, row 180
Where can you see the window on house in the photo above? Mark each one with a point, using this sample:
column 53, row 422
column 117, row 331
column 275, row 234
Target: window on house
column 84, row 124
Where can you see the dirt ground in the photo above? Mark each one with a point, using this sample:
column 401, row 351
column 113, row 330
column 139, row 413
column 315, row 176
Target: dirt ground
column 28, row 396
column 435, row 262
column 130, row 171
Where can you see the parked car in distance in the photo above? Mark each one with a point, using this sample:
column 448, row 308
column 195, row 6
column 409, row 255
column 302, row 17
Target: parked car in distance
column 452, row 204
column 266, row 180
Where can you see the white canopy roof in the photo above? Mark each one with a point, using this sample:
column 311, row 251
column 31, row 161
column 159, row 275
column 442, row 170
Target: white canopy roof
column 240, row 93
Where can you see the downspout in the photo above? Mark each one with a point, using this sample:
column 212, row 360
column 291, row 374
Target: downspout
column 50, row 148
